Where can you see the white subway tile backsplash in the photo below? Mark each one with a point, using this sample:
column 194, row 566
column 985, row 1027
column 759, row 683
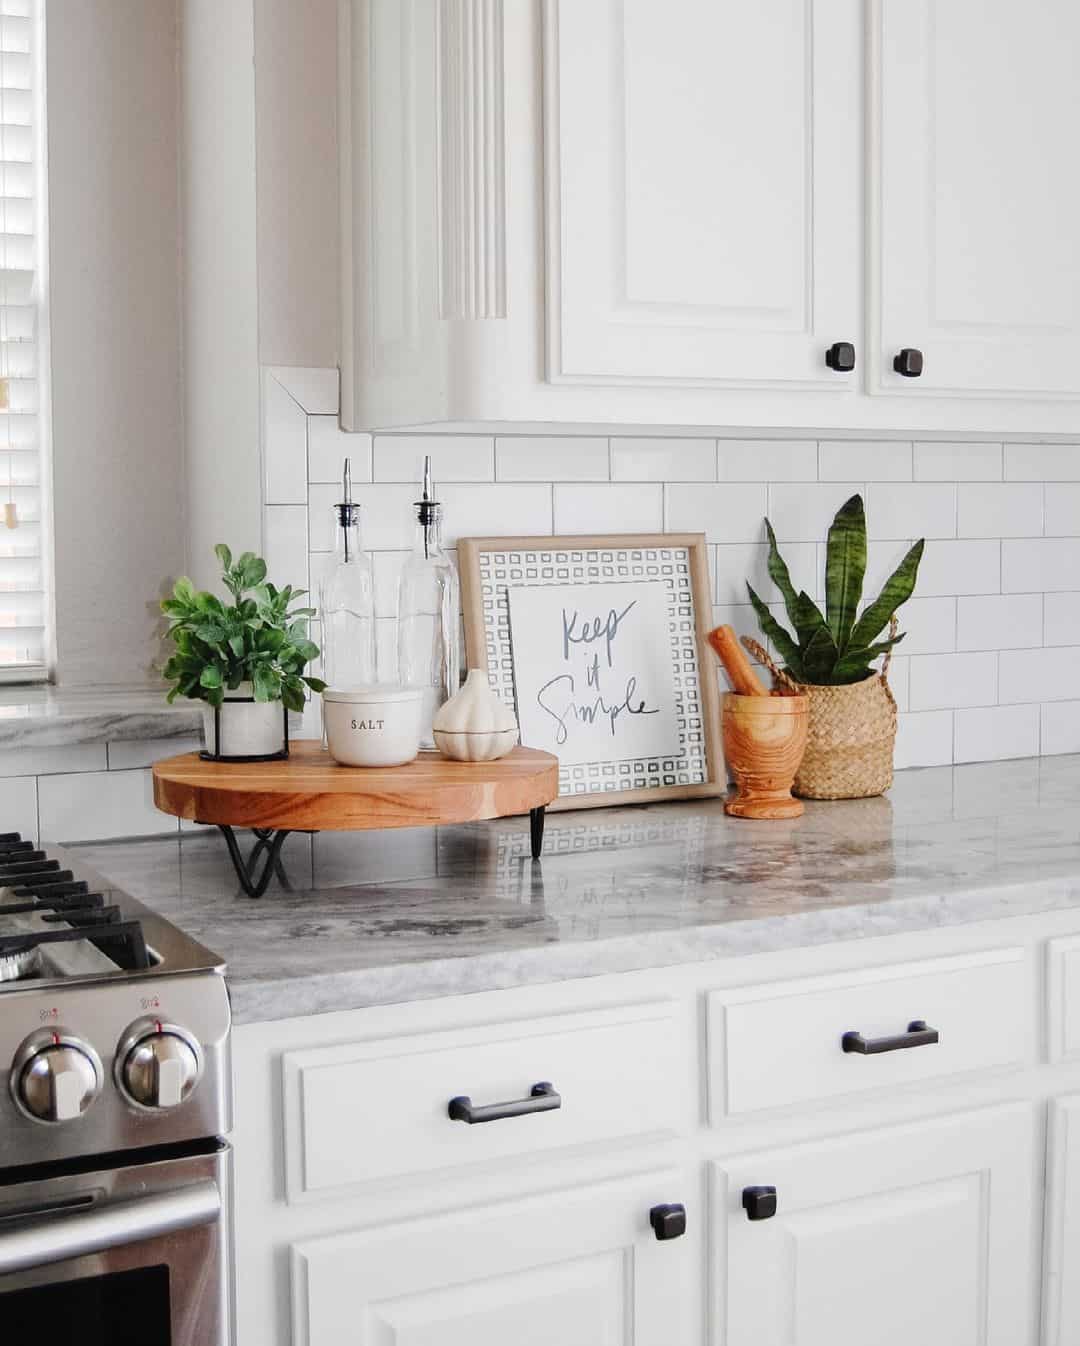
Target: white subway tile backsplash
column 929, row 624
column 1060, row 727
column 52, row 761
column 725, row 512
column 128, row 753
column 453, row 458
column 767, row 460
column 972, row 566
column 1043, row 675
column 285, row 545
column 99, row 806
column 946, row 681
column 990, row 664
column 552, row 458
column 662, row 460
column 284, row 447
column 999, row 622
column 737, row 564
column 1061, row 618
column 957, row 462
column 802, row 512
column 1034, row 565
column 496, row 511
column 999, row 509
column 871, row 460
column 992, row 733
column 328, row 446
column 911, row 509
column 1062, row 510
column 19, row 806
column 609, row 508
column 1042, row 462
column 924, row 738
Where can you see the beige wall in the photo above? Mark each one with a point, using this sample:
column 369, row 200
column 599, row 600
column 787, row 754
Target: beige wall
column 116, row 419
column 297, row 210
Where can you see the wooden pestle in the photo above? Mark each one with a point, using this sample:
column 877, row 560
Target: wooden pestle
column 737, row 666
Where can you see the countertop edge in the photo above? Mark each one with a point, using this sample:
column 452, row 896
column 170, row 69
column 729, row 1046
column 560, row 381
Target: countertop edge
column 268, row 1001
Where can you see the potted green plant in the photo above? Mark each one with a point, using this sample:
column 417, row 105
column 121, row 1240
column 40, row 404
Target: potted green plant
column 244, row 659
column 831, row 657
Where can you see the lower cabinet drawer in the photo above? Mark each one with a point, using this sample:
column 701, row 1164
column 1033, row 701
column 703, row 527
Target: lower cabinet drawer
column 850, row 1033
column 363, row 1112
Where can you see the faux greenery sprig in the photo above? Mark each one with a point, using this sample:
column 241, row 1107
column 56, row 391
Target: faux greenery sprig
column 255, row 639
column 836, row 649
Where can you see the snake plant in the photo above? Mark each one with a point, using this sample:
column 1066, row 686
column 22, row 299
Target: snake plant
column 838, row 647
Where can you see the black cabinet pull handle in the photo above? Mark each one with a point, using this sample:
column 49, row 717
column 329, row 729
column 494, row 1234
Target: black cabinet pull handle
column 917, row 1035
column 841, row 357
column 668, row 1221
column 909, row 363
column 542, row 1098
column 759, row 1202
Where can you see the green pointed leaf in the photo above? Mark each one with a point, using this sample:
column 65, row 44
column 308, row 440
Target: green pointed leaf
column 819, row 657
column 780, row 575
column 845, row 566
column 224, row 556
column 897, row 589
column 316, row 684
column 184, row 591
column 808, row 619
column 210, row 677
column 855, row 663
column 784, row 644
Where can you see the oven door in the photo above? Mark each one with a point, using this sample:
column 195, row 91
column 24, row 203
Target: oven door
column 134, row 1255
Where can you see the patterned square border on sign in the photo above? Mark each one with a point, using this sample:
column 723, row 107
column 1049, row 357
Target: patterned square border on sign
column 687, row 763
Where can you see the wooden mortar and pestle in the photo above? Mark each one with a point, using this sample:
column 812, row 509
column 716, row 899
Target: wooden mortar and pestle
column 764, row 736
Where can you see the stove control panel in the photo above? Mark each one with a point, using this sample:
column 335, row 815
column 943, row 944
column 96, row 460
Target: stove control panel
column 55, row 1077
column 157, row 1064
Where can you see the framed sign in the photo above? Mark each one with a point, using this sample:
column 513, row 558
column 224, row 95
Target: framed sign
column 599, row 645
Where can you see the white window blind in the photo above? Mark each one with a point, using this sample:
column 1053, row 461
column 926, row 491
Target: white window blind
column 22, row 481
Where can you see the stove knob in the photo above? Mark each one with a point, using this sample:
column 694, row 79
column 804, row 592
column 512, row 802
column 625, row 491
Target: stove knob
column 55, row 1077
column 157, row 1064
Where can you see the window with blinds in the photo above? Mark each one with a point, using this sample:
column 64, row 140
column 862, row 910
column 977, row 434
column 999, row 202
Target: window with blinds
column 22, row 482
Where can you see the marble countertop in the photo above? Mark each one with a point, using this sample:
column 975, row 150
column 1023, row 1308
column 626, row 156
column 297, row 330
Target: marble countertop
column 55, row 717
column 464, row 909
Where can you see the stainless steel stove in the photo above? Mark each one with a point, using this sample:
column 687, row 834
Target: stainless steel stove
column 114, row 1098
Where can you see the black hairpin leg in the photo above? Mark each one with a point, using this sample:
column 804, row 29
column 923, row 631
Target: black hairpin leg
column 536, row 830
column 254, row 881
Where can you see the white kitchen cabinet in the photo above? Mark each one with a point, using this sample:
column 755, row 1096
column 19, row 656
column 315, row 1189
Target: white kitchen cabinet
column 626, row 213
column 703, row 190
column 977, row 106
column 581, row 1268
column 920, row 1234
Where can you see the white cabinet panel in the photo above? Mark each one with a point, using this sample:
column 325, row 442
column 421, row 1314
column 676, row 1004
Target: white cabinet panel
column 1061, row 1293
column 579, row 1269
column 702, row 189
column 979, row 194
column 923, row 1233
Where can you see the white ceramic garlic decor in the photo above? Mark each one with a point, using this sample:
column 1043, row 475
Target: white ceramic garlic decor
column 474, row 725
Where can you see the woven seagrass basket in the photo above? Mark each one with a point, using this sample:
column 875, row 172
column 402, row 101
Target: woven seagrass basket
column 851, row 735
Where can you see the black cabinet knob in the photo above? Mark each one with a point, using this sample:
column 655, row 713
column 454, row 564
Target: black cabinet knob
column 908, row 363
column 841, row 357
column 759, row 1202
column 668, row 1222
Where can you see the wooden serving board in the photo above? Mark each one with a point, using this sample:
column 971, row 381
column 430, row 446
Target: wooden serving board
column 310, row 792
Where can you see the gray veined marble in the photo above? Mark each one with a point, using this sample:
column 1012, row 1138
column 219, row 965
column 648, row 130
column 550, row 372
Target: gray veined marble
column 377, row 918
column 49, row 717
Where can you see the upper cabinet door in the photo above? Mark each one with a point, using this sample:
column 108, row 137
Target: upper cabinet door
column 703, row 190
column 977, row 108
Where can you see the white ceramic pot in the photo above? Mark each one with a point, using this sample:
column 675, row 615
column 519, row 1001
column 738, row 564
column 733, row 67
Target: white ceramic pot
column 248, row 728
column 373, row 726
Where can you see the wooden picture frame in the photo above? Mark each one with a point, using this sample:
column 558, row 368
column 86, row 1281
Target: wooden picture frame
column 676, row 566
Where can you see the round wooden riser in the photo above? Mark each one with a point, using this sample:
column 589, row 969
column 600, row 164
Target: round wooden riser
column 310, row 792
